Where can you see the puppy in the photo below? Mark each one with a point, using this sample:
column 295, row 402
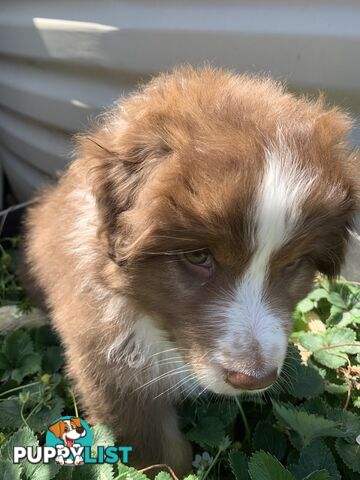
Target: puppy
column 68, row 431
column 179, row 241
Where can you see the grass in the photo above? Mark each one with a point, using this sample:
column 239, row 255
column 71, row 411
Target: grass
column 304, row 429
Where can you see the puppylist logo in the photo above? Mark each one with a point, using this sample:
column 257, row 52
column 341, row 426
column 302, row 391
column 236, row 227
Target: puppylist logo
column 69, row 441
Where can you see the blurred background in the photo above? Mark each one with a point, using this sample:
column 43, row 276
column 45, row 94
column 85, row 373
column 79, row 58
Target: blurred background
column 63, row 61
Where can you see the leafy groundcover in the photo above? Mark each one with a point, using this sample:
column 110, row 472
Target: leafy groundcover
column 306, row 427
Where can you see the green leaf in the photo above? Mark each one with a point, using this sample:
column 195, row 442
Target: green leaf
column 10, row 414
column 17, row 345
column 343, row 337
column 103, row 436
column 355, row 398
column 31, row 364
column 305, row 305
column 335, row 315
column 40, row 471
column 40, row 421
column 299, row 380
column 317, row 456
column 337, row 300
column 338, row 388
column 306, row 425
column 209, row 432
column 65, row 474
column 350, row 422
column 270, row 440
column 4, row 362
column 9, row 471
column 349, row 454
column 318, row 294
column 312, row 341
column 163, row 476
column 239, row 465
column 97, row 472
column 263, row 466
column 300, row 322
column 352, row 317
column 331, row 358
column 53, row 359
column 25, row 437
column 317, row 406
column 307, row 383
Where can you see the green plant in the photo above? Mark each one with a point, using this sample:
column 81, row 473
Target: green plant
column 303, row 428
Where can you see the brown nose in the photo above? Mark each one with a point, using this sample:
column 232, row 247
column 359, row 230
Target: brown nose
column 250, row 382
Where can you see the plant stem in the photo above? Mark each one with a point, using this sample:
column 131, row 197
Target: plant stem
column 18, row 388
column 22, row 415
column 162, row 466
column 74, row 402
column 340, row 345
column 34, row 409
column 212, row 464
column 244, row 419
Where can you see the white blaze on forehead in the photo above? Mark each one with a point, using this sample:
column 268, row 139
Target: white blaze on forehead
column 250, row 322
column 282, row 193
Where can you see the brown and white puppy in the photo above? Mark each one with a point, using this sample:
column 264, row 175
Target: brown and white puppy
column 175, row 248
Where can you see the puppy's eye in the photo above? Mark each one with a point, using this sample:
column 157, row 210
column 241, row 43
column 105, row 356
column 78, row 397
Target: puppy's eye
column 199, row 263
column 200, row 258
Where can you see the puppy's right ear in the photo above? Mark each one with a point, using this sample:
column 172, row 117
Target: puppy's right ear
column 57, row 428
column 120, row 156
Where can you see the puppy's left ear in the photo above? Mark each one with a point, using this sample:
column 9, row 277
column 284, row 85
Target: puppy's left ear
column 351, row 267
column 331, row 140
column 332, row 128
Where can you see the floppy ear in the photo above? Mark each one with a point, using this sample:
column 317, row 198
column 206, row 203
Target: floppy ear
column 57, row 428
column 76, row 421
column 351, row 267
column 120, row 156
column 331, row 130
column 332, row 127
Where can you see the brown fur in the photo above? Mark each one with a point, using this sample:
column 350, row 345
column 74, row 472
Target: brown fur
column 173, row 168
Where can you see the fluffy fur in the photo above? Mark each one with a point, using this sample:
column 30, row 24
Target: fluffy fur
column 196, row 159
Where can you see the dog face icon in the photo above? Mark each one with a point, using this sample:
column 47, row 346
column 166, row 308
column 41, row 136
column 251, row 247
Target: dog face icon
column 68, row 431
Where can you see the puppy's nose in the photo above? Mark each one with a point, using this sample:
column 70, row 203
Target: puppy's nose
column 251, row 382
column 80, row 429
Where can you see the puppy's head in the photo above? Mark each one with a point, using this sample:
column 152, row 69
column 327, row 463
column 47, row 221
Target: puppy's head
column 220, row 197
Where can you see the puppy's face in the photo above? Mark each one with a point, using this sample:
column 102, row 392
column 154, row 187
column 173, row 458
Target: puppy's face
column 246, row 194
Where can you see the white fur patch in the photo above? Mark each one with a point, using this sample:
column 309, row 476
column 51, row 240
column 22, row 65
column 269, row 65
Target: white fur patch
column 162, row 369
column 250, row 323
column 85, row 226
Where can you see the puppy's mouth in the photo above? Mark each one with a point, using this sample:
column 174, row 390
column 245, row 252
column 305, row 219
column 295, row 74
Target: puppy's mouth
column 69, row 442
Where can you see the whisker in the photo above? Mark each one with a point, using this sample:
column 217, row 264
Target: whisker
column 178, row 370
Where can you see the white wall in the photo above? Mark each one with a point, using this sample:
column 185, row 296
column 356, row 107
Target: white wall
column 62, row 61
